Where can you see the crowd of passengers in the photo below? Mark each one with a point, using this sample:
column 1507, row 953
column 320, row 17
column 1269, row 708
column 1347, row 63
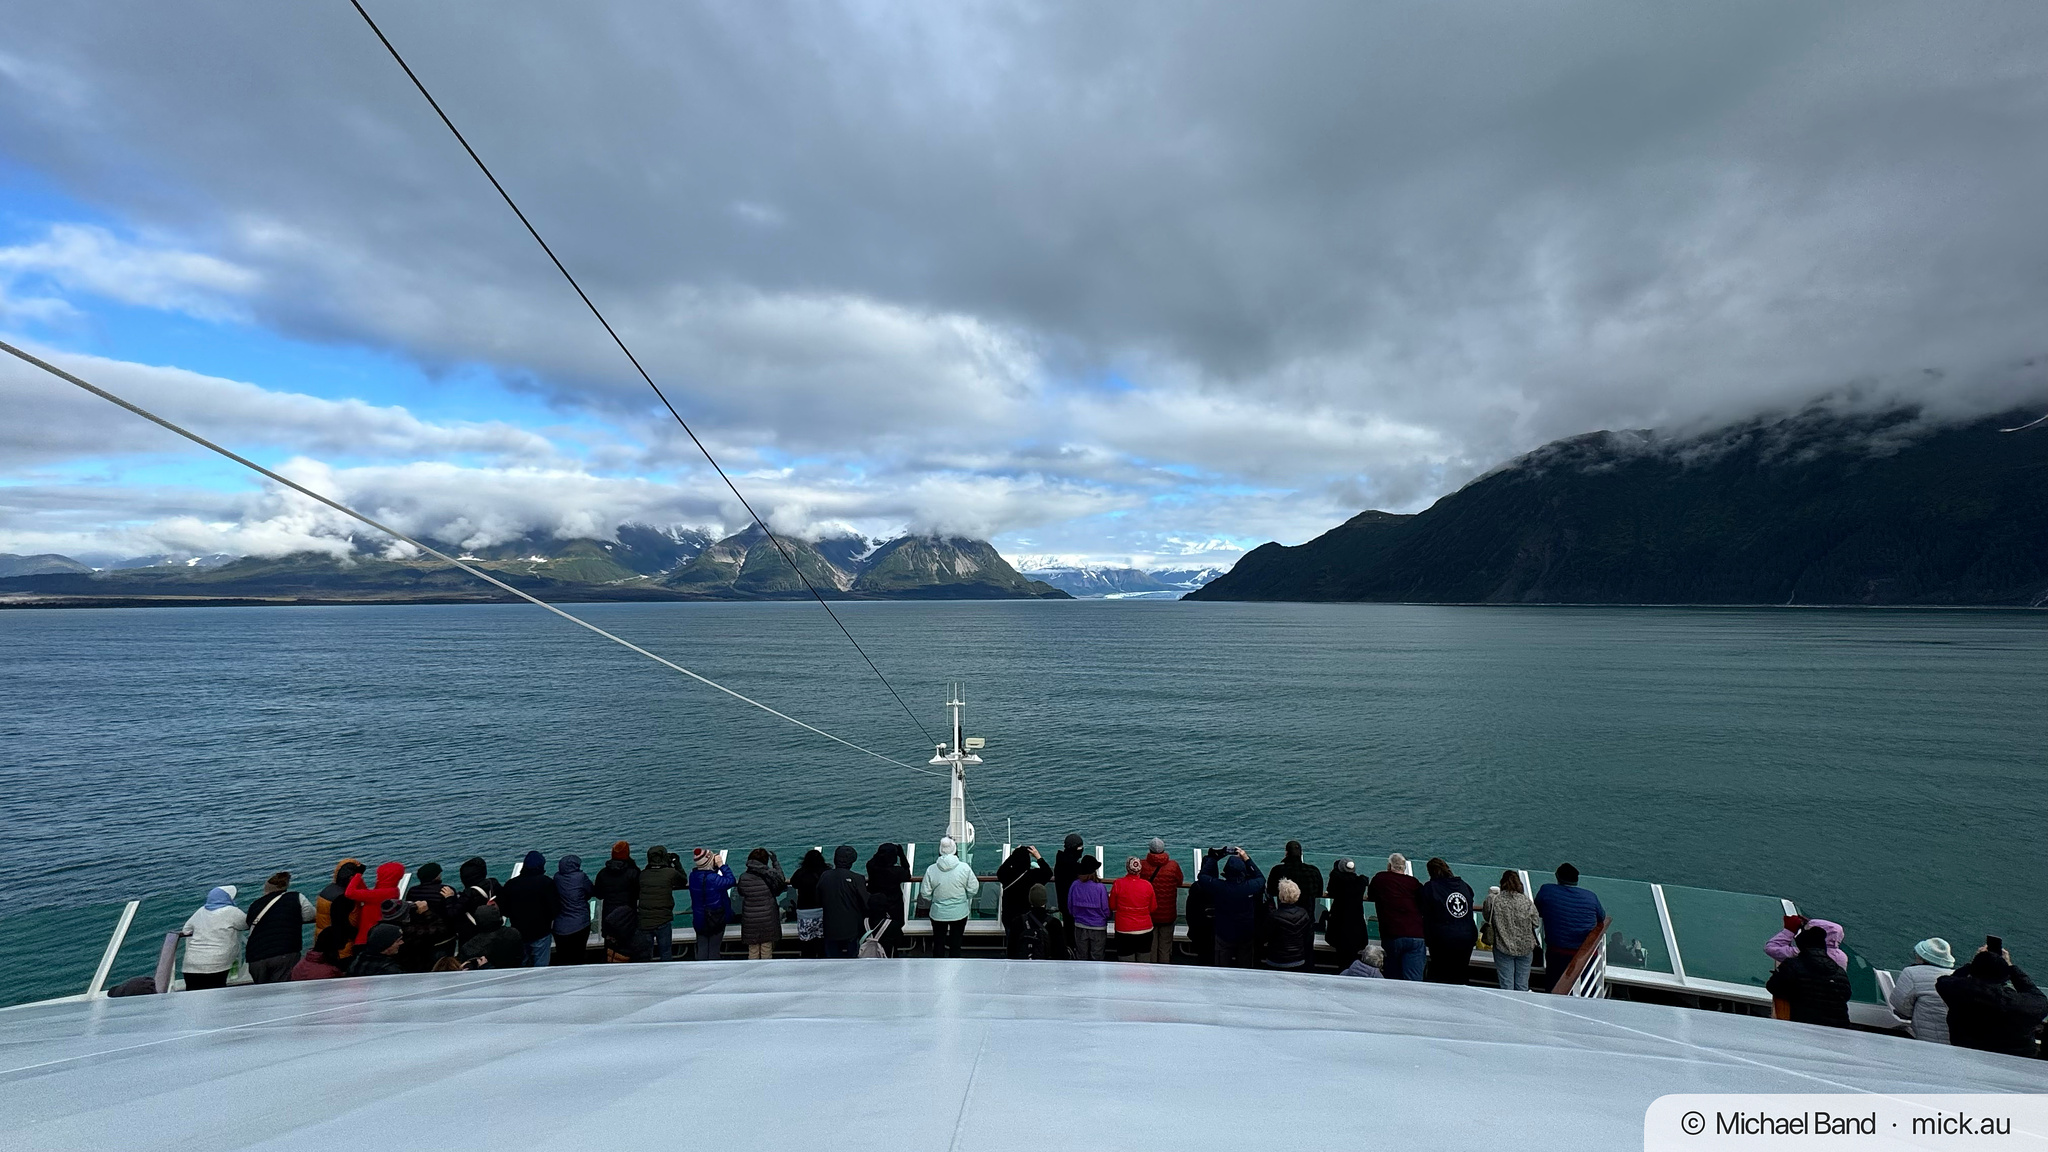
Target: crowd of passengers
column 1237, row 915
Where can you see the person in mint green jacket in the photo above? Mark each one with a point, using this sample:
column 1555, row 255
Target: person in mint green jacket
column 951, row 885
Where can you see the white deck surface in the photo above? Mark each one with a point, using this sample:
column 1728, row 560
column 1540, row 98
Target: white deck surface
column 905, row 1055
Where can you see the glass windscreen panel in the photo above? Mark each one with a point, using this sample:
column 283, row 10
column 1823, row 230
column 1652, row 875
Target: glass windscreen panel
column 1722, row 934
column 1635, row 939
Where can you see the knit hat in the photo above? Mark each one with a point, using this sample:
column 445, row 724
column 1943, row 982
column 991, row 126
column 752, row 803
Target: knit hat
column 704, row 858
column 1157, row 845
column 622, row 851
column 1073, row 839
column 1935, row 951
column 429, row 874
column 382, row 937
column 1037, row 897
column 946, row 846
column 391, row 911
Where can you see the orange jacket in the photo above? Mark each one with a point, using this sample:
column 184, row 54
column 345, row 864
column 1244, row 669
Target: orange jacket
column 1131, row 900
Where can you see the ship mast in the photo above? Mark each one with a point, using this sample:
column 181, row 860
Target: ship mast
column 964, row 752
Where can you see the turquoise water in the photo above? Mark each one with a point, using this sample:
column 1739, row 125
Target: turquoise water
column 1883, row 768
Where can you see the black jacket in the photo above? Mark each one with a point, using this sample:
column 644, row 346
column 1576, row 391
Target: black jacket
column 278, row 931
column 1016, row 876
column 1993, row 1017
column 529, row 903
column 1346, row 928
column 1303, row 874
column 1447, row 912
column 887, row 874
column 844, row 896
column 478, row 889
column 1815, row 987
column 760, row 915
column 805, row 879
column 618, row 886
column 495, row 942
column 1066, row 868
column 1290, row 937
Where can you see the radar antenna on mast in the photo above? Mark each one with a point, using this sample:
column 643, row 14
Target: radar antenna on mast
column 964, row 752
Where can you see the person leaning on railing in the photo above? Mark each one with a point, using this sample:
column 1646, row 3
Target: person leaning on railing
column 216, row 938
column 1511, row 922
column 951, row 885
column 1163, row 872
column 1569, row 913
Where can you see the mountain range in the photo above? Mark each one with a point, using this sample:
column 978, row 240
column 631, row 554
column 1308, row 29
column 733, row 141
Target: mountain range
column 639, row 563
column 1816, row 507
column 1093, row 583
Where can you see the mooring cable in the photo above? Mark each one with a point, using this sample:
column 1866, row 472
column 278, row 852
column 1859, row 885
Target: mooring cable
column 635, row 361
column 479, row 573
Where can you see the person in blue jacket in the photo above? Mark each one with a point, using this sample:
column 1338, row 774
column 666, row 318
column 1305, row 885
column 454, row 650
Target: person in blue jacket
column 710, row 880
column 1234, row 895
column 573, row 891
column 1569, row 914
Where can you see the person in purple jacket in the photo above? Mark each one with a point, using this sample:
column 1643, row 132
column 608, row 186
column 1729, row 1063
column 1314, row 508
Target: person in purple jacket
column 1087, row 901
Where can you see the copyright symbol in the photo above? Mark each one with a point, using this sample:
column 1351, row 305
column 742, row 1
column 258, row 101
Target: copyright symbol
column 1693, row 1123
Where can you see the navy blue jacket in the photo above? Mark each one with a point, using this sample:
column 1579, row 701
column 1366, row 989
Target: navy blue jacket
column 1234, row 896
column 1569, row 912
column 1447, row 912
column 573, row 891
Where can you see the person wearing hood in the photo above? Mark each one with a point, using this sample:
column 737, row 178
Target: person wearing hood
column 1914, row 998
column 1066, row 867
column 528, row 903
column 844, row 895
column 324, row 962
column 1447, row 926
column 1024, row 870
column 494, row 944
column 658, row 883
column 1812, row 985
column 624, row 941
column 333, row 906
column 1784, row 945
column 760, row 913
column 1202, row 910
column 1511, row 918
column 1397, row 904
column 1233, row 893
column 478, row 889
column 573, row 893
column 1087, row 899
column 277, row 930
column 1041, row 931
column 1290, row 933
column 377, row 953
column 710, row 909
column 430, row 923
column 618, row 883
column 888, row 872
column 1163, row 873
column 1131, row 902
column 951, row 886
column 810, row 914
column 215, row 932
column 1992, row 1005
column 1305, row 876
column 370, row 899
column 1344, row 931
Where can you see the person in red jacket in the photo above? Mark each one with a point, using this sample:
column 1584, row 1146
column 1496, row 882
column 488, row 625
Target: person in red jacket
column 1164, row 874
column 389, row 874
column 1130, row 902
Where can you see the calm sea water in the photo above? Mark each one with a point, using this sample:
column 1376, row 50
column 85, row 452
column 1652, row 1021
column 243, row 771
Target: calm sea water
column 1881, row 768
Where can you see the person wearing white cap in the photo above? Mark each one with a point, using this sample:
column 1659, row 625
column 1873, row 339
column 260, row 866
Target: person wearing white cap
column 950, row 884
column 1913, row 996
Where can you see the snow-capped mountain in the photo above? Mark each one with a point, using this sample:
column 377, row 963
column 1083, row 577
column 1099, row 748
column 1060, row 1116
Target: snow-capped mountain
column 1090, row 582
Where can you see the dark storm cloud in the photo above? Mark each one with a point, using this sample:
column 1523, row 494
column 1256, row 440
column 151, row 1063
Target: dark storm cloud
column 1358, row 252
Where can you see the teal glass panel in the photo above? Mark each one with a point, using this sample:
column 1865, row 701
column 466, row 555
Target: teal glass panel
column 1721, row 935
column 1635, row 939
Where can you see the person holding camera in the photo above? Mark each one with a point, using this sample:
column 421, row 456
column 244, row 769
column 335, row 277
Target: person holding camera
column 657, row 901
column 1233, row 893
column 1992, row 1005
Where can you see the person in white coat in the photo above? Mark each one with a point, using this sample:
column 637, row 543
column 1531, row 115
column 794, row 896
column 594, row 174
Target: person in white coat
column 216, row 939
column 1913, row 996
column 951, row 885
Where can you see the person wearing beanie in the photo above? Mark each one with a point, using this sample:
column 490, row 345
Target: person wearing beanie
column 1024, row 870
column 1131, row 902
column 950, row 885
column 658, row 883
column 1041, row 931
column 528, row 903
column 430, row 925
column 710, row 905
column 1232, row 890
column 843, row 894
column 277, row 930
column 1163, row 872
column 216, row 939
column 1914, row 998
column 618, row 884
column 377, row 953
column 1812, row 985
column 478, row 890
column 1992, row 1005
column 1066, row 865
column 1087, row 901
column 1345, row 929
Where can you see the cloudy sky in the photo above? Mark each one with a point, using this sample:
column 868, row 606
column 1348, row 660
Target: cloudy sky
column 1138, row 281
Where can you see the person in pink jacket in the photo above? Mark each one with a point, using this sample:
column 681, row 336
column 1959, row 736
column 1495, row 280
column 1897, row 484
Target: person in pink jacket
column 1782, row 946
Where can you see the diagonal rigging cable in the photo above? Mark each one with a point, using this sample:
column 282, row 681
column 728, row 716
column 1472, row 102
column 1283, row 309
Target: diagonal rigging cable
column 394, row 533
column 635, row 360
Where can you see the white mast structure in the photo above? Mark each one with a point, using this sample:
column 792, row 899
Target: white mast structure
column 963, row 753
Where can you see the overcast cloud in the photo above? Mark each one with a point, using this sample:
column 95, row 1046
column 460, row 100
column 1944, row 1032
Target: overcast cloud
column 1113, row 281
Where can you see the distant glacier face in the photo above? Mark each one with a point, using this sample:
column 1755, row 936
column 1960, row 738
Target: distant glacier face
column 1090, row 583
